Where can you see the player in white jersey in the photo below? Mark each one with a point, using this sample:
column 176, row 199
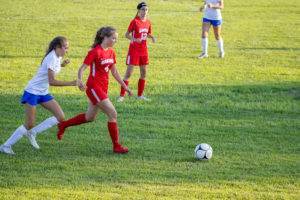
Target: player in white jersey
column 212, row 16
column 36, row 92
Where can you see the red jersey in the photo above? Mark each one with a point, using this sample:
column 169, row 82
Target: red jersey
column 100, row 62
column 139, row 30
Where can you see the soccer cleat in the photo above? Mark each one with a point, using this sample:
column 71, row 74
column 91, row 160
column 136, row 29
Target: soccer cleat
column 203, row 56
column 6, row 149
column 61, row 131
column 143, row 98
column 120, row 99
column 31, row 138
column 119, row 149
column 222, row 54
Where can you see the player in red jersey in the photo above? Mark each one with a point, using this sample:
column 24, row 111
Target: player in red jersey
column 140, row 29
column 101, row 59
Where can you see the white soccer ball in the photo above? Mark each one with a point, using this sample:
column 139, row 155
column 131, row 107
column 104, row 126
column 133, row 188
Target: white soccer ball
column 203, row 151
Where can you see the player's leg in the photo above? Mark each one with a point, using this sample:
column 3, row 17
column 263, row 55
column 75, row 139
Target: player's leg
column 82, row 118
column 30, row 112
column 217, row 32
column 126, row 78
column 107, row 107
column 141, row 83
column 205, row 29
column 55, row 109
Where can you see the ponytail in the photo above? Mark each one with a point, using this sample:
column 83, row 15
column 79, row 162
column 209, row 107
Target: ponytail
column 101, row 33
column 56, row 42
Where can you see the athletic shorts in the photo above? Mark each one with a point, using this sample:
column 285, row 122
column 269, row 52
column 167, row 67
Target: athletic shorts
column 34, row 100
column 213, row 22
column 96, row 94
column 137, row 60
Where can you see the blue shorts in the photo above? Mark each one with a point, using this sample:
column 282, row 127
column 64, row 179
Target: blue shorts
column 213, row 22
column 33, row 99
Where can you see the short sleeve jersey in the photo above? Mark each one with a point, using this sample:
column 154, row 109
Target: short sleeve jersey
column 139, row 29
column 100, row 62
column 212, row 13
column 39, row 84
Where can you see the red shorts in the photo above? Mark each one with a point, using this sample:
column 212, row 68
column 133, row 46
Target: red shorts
column 137, row 60
column 96, row 94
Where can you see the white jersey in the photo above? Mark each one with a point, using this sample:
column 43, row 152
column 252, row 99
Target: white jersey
column 39, row 84
column 212, row 13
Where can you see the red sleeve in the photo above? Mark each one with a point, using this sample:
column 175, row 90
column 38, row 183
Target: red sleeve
column 114, row 54
column 90, row 57
column 149, row 31
column 131, row 26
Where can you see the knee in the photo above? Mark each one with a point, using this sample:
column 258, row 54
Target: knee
column 204, row 35
column 112, row 115
column 218, row 37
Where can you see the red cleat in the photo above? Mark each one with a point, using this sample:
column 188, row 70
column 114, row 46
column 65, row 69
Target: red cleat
column 119, row 149
column 60, row 131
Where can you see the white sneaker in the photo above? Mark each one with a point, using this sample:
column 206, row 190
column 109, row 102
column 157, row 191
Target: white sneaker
column 203, row 56
column 143, row 98
column 31, row 138
column 6, row 149
column 222, row 54
column 120, row 99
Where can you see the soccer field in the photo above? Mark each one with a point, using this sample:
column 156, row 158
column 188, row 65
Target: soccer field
column 246, row 106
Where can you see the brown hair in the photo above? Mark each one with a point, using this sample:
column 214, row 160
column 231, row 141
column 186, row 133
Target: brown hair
column 58, row 41
column 101, row 33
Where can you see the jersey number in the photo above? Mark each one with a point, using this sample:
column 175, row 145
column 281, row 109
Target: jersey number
column 144, row 36
column 107, row 69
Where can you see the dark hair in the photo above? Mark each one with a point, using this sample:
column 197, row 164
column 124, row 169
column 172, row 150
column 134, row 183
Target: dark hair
column 139, row 6
column 101, row 33
column 58, row 41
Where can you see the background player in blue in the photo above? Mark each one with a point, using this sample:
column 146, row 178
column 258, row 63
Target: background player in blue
column 36, row 92
column 212, row 16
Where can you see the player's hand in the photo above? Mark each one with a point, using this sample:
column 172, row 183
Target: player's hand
column 65, row 62
column 153, row 39
column 81, row 85
column 209, row 5
column 130, row 93
column 137, row 40
column 201, row 8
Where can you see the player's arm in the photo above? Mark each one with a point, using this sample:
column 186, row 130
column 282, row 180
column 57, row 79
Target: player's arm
column 152, row 37
column 203, row 7
column 127, row 35
column 81, row 84
column 54, row 82
column 219, row 5
column 116, row 75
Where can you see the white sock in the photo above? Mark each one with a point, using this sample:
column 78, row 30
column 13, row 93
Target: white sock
column 48, row 123
column 16, row 136
column 205, row 45
column 220, row 45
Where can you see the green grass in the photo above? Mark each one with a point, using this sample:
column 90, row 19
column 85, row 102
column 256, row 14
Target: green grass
column 247, row 106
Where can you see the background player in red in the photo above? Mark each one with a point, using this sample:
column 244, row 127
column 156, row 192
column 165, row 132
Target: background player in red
column 101, row 59
column 140, row 29
column 36, row 92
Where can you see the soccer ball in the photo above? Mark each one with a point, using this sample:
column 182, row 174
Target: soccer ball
column 203, row 151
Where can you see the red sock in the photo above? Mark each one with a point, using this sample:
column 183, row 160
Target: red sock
column 122, row 93
column 113, row 131
column 77, row 120
column 141, row 87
